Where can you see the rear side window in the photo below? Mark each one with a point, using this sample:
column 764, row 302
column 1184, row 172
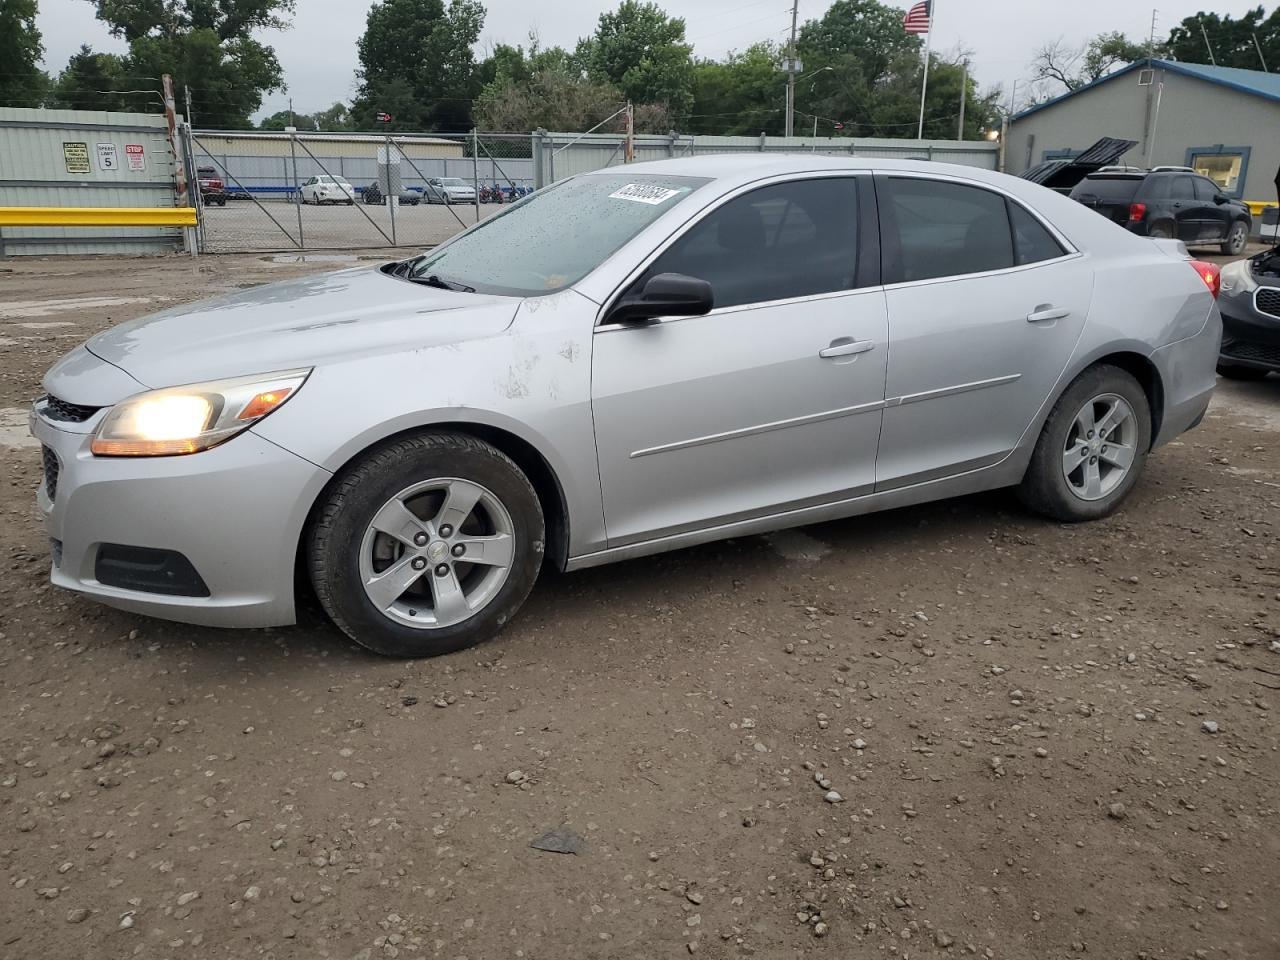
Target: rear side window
column 1032, row 243
column 1120, row 189
column 946, row 229
column 1182, row 189
column 787, row 240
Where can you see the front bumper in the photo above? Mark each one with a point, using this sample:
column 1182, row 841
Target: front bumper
column 1250, row 338
column 236, row 512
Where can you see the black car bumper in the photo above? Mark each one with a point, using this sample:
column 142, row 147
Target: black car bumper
column 1250, row 338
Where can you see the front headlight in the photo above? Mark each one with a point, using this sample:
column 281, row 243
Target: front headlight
column 196, row 417
column 1238, row 279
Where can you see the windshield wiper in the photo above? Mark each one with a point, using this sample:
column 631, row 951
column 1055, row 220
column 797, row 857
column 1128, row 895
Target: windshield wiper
column 434, row 280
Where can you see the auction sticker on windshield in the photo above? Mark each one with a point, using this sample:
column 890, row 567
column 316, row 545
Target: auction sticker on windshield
column 645, row 193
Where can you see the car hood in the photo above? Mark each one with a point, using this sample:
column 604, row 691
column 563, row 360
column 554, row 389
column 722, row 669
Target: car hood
column 297, row 323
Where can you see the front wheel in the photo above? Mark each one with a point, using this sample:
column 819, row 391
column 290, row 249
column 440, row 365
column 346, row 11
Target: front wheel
column 1092, row 448
column 1237, row 239
column 428, row 545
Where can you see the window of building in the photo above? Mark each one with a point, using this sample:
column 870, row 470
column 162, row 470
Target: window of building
column 1225, row 166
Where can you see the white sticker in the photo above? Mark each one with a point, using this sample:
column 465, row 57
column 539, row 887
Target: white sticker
column 644, row 193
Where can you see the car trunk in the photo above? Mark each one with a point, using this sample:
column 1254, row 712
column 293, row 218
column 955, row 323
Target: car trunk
column 1063, row 174
column 1109, row 196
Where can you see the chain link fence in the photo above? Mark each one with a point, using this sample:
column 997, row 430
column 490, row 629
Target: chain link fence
column 292, row 191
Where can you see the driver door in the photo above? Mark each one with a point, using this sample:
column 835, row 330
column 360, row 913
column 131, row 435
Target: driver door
column 771, row 402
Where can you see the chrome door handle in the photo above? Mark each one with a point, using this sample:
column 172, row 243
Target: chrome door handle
column 846, row 347
column 1045, row 313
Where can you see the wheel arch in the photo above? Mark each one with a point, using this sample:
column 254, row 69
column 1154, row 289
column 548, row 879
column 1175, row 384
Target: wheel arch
column 1133, row 362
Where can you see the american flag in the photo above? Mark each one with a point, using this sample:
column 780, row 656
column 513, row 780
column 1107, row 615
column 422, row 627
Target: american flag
column 918, row 17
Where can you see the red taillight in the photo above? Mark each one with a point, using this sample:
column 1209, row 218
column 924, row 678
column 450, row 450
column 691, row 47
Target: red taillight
column 1137, row 211
column 1211, row 274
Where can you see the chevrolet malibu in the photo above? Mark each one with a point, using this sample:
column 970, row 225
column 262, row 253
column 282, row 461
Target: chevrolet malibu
column 630, row 361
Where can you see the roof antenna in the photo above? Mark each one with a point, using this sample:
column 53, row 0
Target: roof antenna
column 1151, row 41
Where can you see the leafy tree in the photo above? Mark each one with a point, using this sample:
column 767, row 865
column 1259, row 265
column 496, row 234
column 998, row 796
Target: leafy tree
column 742, row 94
column 416, row 63
column 22, row 82
column 643, row 52
column 1071, row 68
column 206, row 45
column 92, row 81
column 335, row 118
column 1231, row 39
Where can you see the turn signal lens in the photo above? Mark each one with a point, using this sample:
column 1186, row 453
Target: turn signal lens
column 1211, row 274
column 264, row 403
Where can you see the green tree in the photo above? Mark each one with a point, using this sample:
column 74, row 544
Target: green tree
column 643, row 52
column 742, row 94
column 1230, row 38
column 22, row 82
column 93, row 81
column 417, row 63
column 207, row 46
column 1069, row 68
column 336, row 117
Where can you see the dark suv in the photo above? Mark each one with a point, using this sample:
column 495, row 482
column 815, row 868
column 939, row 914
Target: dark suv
column 1168, row 202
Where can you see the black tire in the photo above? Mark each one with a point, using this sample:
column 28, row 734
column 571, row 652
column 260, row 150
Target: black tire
column 349, row 505
column 1236, row 371
column 1044, row 487
column 1161, row 231
column 1237, row 239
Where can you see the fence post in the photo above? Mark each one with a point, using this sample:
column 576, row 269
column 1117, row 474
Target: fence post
column 475, row 169
column 539, row 179
column 762, row 141
column 392, row 200
column 297, row 194
column 671, row 145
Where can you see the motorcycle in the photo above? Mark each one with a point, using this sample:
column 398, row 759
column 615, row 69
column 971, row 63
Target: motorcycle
column 491, row 194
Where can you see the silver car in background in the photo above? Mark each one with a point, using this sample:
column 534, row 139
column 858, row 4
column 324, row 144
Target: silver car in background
column 629, row 361
column 449, row 190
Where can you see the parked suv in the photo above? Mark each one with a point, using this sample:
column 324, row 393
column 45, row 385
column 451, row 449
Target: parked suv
column 211, row 188
column 1171, row 203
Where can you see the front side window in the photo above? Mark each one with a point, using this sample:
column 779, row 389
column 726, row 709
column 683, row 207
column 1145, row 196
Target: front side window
column 946, row 229
column 787, row 240
column 1206, row 189
column 553, row 238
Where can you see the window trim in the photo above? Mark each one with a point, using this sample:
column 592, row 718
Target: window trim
column 1220, row 150
column 888, row 229
column 866, row 268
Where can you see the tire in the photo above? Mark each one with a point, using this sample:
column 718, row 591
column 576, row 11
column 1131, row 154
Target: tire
column 1236, row 371
column 1161, row 231
column 1237, row 239
column 1048, row 489
column 344, row 550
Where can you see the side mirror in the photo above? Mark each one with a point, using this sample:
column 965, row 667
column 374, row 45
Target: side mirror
column 665, row 295
column 1221, row 198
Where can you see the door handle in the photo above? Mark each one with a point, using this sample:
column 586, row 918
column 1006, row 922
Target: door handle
column 846, row 347
column 1045, row 313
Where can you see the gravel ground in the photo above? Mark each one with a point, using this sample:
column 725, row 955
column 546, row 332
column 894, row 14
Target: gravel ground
column 944, row 731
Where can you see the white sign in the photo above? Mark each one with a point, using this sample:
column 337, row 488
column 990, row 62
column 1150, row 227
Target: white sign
column 648, row 193
column 108, row 158
column 136, row 155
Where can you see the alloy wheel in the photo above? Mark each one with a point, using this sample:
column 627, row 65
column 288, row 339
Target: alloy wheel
column 1100, row 447
column 437, row 553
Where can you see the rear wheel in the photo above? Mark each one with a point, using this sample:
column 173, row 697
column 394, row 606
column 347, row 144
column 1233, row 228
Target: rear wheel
column 1236, row 371
column 427, row 545
column 1237, row 239
column 1161, row 231
column 1092, row 448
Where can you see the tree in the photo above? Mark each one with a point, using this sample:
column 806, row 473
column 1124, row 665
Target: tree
column 91, row 81
column 206, row 45
column 335, row 118
column 642, row 51
column 743, row 94
column 416, row 63
column 22, row 82
column 1076, row 67
column 1230, row 39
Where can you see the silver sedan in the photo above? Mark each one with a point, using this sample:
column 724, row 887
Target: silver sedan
column 630, row 361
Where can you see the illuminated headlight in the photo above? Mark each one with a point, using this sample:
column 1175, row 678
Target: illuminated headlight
column 1237, row 278
column 188, row 419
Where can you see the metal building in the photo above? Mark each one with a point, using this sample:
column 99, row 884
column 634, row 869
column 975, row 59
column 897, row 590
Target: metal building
column 1222, row 121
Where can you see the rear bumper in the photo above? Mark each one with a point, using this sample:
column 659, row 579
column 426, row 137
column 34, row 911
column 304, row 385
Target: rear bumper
column 1188, row 375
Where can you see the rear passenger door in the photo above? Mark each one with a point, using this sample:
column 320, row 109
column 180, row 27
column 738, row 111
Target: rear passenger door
column 1187, row 213
column 985, row 307
column 1215, row 218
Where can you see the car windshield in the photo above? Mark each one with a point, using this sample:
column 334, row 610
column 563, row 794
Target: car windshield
column 553, row 238
column 451, row 182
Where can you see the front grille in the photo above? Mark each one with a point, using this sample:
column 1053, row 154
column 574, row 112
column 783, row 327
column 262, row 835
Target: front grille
column 1257, row 352
column 58, row 409
column 51, row 468
column 1267, row 300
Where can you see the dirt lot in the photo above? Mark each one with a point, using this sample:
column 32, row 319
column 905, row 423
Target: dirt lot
column 1017, row 715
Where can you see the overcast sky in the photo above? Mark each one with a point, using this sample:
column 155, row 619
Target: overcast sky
column 319, row 56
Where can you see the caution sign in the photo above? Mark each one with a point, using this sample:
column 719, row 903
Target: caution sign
column 136, row 156
column 108, row 157
column 76, row 156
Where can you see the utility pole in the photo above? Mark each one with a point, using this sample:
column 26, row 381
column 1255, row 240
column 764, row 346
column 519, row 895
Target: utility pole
column 964, row 94
column 629, row 152
column 187, row 94
column 292, row 121
column 1151, row 39
column 791, row 70
column 1257, row 46
column 1207, row 45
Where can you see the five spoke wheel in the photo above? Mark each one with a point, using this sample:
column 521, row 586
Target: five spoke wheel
column 1100, row 447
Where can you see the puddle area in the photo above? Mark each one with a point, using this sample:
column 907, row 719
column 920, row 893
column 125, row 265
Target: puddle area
column 313, row 258
column 14, row 432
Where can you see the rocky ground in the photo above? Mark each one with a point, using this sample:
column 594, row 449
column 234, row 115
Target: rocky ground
column 945, row 731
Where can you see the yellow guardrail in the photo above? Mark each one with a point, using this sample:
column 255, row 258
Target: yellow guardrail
column 1257, row 206
column 97, row 216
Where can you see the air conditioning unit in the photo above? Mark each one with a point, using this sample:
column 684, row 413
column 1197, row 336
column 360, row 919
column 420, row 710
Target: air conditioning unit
column 1146, row 78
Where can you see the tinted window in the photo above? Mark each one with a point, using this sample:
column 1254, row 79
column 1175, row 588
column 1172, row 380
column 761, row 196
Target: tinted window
column 1031, row 241
column 788, row 240
column 1205, row 189
column 1119, row 189
column 947, row 229
column 1182, row 189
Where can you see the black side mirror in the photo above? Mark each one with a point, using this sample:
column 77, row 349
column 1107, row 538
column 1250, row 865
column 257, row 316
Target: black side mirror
column 665, row 295
column 1221, row 198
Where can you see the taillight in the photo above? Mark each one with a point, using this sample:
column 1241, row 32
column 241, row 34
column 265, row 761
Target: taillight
column 1211, row 274
column 1137, row 211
